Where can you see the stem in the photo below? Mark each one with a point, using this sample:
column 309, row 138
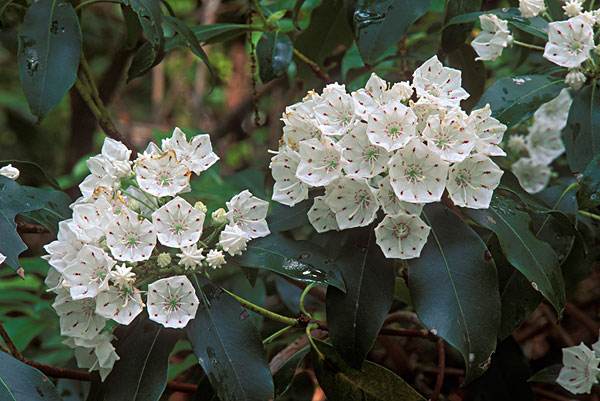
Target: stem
column 10, row 344
column 309, row 328
column 89, row 2
column 305, row 292
column 262, row 311
column 588, row 214
column 260, row 13
column 211, row 237
column 439, row 382
column 277, row 334
column 528, row 45
column 313, row 66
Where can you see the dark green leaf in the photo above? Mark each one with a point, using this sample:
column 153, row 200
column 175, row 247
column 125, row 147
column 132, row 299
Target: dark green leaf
column 285, row 373
column 132, row 27
column 300, row 260
column 519, row 300
column 582, row 134
column 547, row 375
column 31, row 173
column 379, row 25
column 185, row 33
column 284, row 218
column 535, row 259
column 49, row 52
column 274, row 53
column 536, row 26
column 372, row 382
column 20, row 382
column 145, row 58
column 473, row 73
column 222, row 32
column 454, row 36
column 454, row 288
column 229, row 348
column 16, row 199
column 356, row 316
column 514, row 99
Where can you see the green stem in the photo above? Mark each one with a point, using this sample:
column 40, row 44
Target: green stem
column 89, row 2
column 277, row 334
column 592, row 3
column 139, row 200
column 309, row 328
column 590, row 215
column 305, row 292
column 260, row 13
column 528, row 45
column 262, row 311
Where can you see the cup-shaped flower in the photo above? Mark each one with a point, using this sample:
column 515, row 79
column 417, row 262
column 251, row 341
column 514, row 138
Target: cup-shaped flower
column 417, row 174
column 91, row 219
column 321, row 217
column 488, row 131
column 320, row 162
column 78, row 318
column 121, row 304
column 402, row 236
column 471, row 183
column 93, row 354
column 531, row 8
column 363, row 159
column 288, row 189
column 532, row 175
column 580, row 371
column 65, row 248
column 129, row 238
column 300, row 122
column 554, row 114
column 178, row 224
column 544, row 144
column 441, row 84
column 392, row 127
column 353, row 202
column 197, row 155
column 391, row 204
column 569, row 42
column 162, row 174
column 9, row 171
column 449, row 136
column 248, row 212
column 172, row 301
column 89, row 273
column 335, row 111
column 492, row 39
column 233, row 239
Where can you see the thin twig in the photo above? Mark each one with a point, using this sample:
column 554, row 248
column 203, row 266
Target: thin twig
column 439, row 382
column 10, row 344
column 583, row 318
column 313, row 66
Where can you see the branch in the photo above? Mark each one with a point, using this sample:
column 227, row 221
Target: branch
column 10, row 344
column 313, row 66
column 439, row 382
column 31, row 228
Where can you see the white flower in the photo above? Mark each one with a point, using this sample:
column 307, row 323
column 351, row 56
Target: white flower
column 94, row 354
column 89, row 273
column 449, row 136
column 544, row 144
column 233, row 240
column 580, row 371
column 575, row 79
column 197, row 155
column 320, row 162
column 391, row 204
column 402, row 236
column 91, row 219
column 178, row 224
column 554, row 114
column 3, row 258
column 569, row 42
column 417, row 174
column 288, row 189
column 129, row 238
column 64, row 250
column 122, row 276
column 335, row 111
column 163, row 259
column 300, row 122
column 532, row 175
column 172, row 301
column 190, row 256
column 516, row 143
column 9, row 171
column 219, row 216
column 377, row 93
column 573, row 8
column 363, row 159
column 531, row 8
column 321, row 217
column 107, row 168
column 215, row 258
column 78, row 318
column 248, row 213
column 120, row 304
column 488, row 131
column 353, row 202
column 471, row 182
column 492, row 39
column 392, row 126
column 423, row 109
column 400, row 91
column 438, row 83
column 162, row 175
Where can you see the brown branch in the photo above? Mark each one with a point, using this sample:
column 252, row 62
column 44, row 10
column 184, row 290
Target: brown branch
column 439, row 382
column 583, row 318
column 10, row 344
column 549, row 394
column 313, row 66
column 418, row 333
column 31, row 228
column 566, row 338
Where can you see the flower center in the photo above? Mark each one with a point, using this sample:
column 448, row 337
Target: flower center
column 371, row 154
column 362, row 198
column 414, row 173
column 394, row 131
column 462, row 178
column 401, row 230
column 163, row 179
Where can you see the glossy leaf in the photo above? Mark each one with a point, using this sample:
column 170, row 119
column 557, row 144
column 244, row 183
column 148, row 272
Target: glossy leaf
column 20, row 382
column 535, row 259
column 52, row 206
column 356, row 316
column 229, row 348
column 536, row 26
column 300, row 260
column 582, row 134
column 379, row 25
column 285, row 373
column 274, row 52
column 284, row 218
column 514, row 99
column 186, row 35
column 454, row 288
column 373, row 382
column 214, row 33
column 454, row 36
column 49, row 53
column 519, row 300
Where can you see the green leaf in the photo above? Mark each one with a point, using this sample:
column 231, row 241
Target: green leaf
column 286, row 372
column 31, row 172
column 582, row 134
column 536, row 26
column 300, row 260
column 21, row 382
column 284, row 218
column 534, row 258
column 547, row 375
column 473, row 73
column 274, row 52
column 183, row 32
column 454, row 36
column 379, row 25
column 49, row 52
column 16, row 199
column 514, row 99
column 356, row 316
column 454, row 288
column 519, row 300
column 373, row 382
column 214, row 33
column 229, row 348
column 141, row 373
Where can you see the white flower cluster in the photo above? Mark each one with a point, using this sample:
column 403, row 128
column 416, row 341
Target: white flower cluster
column 580, row 371
column 378, row 147
column 9, row 171
column 543, row 143
column 570, row 42
column 131, row 230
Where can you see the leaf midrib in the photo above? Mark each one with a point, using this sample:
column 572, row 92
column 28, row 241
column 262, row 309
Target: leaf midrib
column 141, row 376
column 7, row 388
column 518, row 100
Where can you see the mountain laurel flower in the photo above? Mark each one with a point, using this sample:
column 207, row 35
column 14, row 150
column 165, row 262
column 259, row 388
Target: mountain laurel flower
column 533, row 176
column 573, row 8
column 353, row 202
column 569, row 42
column 392, row 127
column 288, row 189
column 130, row 239
column 554, row 114
column 162, row 175
column 449, row 136
column 172, row 301
column 248, row 213
column 492, row 39
column 122, row 276
column 219, row 216
column 544, row 144
column 575, row 79
column 197, row 155
column 163, row 259
column 96, row 354
column 471, row 182
column 64, row 249
column 439, row 84
column 215, row 258
column 233, row 240
column 391, row 204
column 190, row 257
column 335, row 111
column 517, row 143
column 321, row 217
column 9, row 171
column 531, row 8
column 580, row 371
column 300, row 122
column 89, row 273
column 402, row 236
column 178, row 224
column 417, row 174
column 362, row 158
column 121, row 304
column 488, row 131
column 91, row 219
column 377, row 93
column 107, row 168
column 320, row 162
column 2, row 258
column 78, row 318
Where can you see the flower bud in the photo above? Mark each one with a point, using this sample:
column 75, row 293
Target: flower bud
column 219, row 216
column 575, row 79
column 200, row 206
column 163, row 259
